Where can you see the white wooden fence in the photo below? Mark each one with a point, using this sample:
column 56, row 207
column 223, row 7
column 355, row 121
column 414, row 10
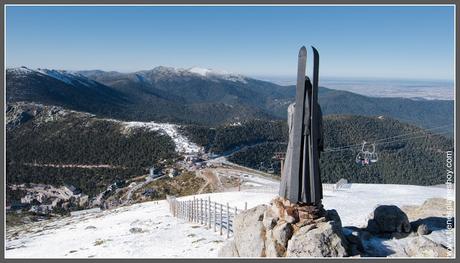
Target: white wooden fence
column 213, row 215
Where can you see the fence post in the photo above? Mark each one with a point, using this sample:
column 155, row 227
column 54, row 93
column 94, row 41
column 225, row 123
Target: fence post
column 234, row 216
column 205, row 214
column 215, row 216
column 193, row 210
column 221, row 219
column 228, row 221
column 210, row 213
column 201, row 211
column 245, row 205
column 196, row 211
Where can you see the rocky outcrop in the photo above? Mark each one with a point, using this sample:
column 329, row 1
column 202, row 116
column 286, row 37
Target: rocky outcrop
column 284, row 229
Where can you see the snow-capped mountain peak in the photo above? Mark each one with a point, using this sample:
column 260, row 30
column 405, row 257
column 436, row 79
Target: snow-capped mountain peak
column 21, row 70
column 69, row 77
column 198, row 72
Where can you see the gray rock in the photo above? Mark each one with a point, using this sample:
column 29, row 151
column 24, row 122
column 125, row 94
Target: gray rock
column 365, row 235
column 282, row 233
column 136, row 230
column 250, row 232
column 423, row 230
column 272, row 247
column 270, row 218
column 326, row 240
column 388, row 218
column 353, row 237
column 372, row 226
column 424, row 247
column 228, row 250
column 332, row 215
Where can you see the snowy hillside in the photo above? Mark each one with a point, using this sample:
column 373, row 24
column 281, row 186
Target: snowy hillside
column 183, row 144
column 147, row 230
column 69, row 77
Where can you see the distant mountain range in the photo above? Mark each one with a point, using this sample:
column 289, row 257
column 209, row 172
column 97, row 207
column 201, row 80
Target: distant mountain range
column 200, row 96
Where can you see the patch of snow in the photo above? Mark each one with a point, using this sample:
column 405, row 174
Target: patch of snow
column 200, row 71
column 183, row 144
column 57, row 74
column 68, row 77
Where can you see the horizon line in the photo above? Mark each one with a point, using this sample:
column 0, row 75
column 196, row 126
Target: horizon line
column 268, row 77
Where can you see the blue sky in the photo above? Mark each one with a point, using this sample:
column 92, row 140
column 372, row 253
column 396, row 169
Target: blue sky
column 412, row 42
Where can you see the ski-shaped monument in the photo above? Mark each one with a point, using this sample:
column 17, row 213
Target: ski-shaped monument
column 301, row 180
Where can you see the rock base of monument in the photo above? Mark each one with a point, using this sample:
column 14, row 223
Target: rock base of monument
column 284, row 229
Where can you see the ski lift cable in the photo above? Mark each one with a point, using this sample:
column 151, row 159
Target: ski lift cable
column 401, row 135
column 446, row 132
column 403, row 139
column 392, row 137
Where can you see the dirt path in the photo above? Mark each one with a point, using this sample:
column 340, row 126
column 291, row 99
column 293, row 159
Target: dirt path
column 211, row 179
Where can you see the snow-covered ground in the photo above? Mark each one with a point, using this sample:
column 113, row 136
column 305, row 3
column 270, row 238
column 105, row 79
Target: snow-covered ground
column 147, row 230
column 139, row 231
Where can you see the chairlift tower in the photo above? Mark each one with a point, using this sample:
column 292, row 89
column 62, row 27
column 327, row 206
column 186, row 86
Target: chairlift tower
column 281, row 156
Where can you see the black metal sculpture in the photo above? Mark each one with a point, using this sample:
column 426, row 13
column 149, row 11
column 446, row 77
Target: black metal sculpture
column 301, row 180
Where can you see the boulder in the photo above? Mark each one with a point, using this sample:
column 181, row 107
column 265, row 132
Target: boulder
column 228, row 250
column 320, row 240
column 332, row 215
column 423, row 230
column 424, row 247
column 270, row 218
column 388, row 219
column 272, row 247
column 282, row 233
column 249, row 232
column 372, row 227
column 284, row 229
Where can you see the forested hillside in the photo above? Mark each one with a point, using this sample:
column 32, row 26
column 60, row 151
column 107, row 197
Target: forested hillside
column 59, row 147
column 407, row 154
